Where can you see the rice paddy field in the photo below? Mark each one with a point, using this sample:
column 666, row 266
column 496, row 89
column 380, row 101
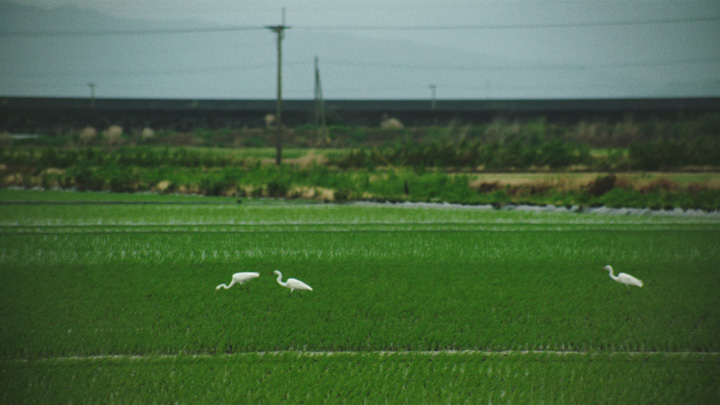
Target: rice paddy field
column 110, row 298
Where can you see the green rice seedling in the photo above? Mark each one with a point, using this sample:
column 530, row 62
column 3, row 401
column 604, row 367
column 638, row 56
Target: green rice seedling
column 427, row 303
column 506, row 287
column 371, row 377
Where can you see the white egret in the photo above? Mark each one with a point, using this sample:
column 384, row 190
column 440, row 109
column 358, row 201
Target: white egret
column 239, row 278
column 292, row 284
column 624, row 278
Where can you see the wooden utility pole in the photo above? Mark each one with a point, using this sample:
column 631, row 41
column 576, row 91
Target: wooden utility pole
column 320, row 120
column 92, row 94
column 432, row 100
column 279, row 30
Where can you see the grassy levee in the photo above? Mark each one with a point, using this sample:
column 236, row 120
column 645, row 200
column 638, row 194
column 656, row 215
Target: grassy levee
column 83, row 280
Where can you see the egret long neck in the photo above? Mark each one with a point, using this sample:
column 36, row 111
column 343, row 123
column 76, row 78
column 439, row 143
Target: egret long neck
column 279, row 280
column 612, row 276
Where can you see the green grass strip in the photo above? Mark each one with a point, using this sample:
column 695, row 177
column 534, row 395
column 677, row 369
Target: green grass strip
column 369, row 378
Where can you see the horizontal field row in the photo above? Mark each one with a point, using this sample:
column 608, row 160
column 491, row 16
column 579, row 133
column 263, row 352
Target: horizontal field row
column 371, row 378
column 381, row 353
column 355, row 228
column 313, row 214
column 137, row 293
column 472, row 244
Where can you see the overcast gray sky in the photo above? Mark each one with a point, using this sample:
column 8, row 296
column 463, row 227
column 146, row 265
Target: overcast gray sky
column 370, row 49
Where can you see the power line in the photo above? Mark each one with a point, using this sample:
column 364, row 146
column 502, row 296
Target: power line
column 56, row 33
column 507, row 26
column 150, row 72
column 515, row 68
column 171, row 31
column 347, row 63
column 498, row 86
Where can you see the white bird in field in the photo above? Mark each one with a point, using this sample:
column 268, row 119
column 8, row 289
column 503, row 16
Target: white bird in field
column 239, row 278
column 624, row 278
column 292, row 284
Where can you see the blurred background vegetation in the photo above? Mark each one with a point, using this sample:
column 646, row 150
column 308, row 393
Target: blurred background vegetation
column 390, row 162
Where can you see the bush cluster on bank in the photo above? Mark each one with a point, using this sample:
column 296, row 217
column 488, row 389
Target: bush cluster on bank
column 62, row 158
column 517, row 154
column 675, row 153
column 195, row 172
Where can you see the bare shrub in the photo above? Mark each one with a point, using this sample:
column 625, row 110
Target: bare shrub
column 163, row 185
column 147, row 133
column 269, row 120
column 87, row 135
column 113, row 135
column 391, row 123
